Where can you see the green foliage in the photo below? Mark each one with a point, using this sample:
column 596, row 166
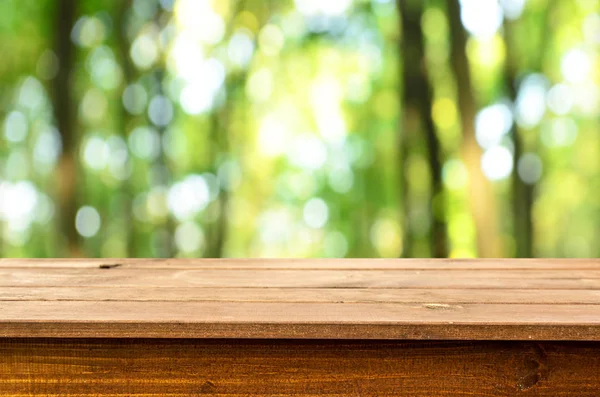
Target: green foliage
column 272, row 128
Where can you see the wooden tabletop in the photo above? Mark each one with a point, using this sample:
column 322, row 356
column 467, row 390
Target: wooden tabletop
column 418, row 299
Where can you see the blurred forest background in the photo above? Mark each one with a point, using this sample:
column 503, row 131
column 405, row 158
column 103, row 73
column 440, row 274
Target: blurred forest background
column 306, row 128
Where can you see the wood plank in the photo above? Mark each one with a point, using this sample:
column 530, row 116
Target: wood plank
column 300, row 264
column 246, row 302
column 295, row 368
column 122, row 277
column 298, row 295
column 299, row 320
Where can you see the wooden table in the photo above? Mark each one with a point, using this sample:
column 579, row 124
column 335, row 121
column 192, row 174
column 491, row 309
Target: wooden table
column 299, row 327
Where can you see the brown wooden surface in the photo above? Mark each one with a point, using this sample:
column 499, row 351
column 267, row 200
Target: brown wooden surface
column 157, row 367
column 255, row 298
column 340, row 264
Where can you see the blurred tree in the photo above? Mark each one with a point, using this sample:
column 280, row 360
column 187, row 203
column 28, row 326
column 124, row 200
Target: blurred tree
column 164, row 115
column 481, row 195
column 222, row 123
column 417, row 118
column 523, row 191
column 64, row 114
column 122, row 21
column 220, row 127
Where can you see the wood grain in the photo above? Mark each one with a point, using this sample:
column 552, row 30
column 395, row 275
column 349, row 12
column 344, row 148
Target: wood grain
column 301, row 295
column 281, row 278
column 118, row 367
column 301, row 327
column 344, row 299
column 299, row 320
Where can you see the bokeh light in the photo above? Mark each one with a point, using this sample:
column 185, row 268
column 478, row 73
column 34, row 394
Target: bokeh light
column 314, row 128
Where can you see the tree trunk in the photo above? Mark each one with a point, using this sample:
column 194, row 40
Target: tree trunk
column 481, row 195
column 416, row 118
column 63, row 113
column 166, row 246
column 523, row 193
column 219, row 136
column 522, row 199
column 219, row 128
column 128, row 77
